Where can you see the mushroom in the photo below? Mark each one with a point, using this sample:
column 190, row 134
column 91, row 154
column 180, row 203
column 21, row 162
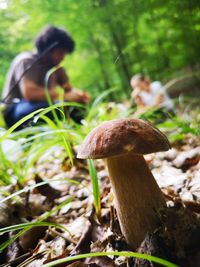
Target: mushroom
column 122, row 143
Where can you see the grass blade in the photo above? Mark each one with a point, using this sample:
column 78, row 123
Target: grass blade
column 17, row 124
column 27, row 188
column 40, row 219
column 95, row 186
column 30, row 224
column 101, row 254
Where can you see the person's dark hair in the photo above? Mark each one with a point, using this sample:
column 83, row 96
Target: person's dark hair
column 53, row 37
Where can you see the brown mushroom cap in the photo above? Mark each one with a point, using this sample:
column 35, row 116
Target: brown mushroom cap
column 116, row 137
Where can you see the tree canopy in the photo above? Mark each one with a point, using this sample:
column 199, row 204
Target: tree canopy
column 114, row 38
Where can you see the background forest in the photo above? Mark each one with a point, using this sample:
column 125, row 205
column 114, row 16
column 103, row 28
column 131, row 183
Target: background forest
column 114, row 38
column 56, row 208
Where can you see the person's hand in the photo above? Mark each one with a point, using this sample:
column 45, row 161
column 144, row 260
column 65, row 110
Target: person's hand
column 159, row 100
column 135, row 92
column 54, row 94
column 85, row 97
column 76, row 95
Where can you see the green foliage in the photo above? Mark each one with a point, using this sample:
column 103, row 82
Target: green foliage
column 36, row 140
column 32, row 142
column 178, row 127
column 32, row 147
column 114, row 39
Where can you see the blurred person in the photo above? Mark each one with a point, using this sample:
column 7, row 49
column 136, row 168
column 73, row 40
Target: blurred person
column 147, row 94
column 24, row 90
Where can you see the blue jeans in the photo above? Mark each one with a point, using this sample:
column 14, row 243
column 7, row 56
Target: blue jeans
column 19, row 110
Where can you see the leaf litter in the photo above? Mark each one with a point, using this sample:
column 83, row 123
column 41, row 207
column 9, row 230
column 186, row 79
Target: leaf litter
column 176, row 238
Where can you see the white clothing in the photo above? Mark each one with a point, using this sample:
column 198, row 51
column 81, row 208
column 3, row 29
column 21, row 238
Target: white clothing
column 149, row 98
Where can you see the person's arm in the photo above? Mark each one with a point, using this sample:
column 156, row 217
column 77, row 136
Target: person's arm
column 159, row 93
column 159, row 99
column 139, row 102
column 33, row 92
column 75, row 95
column 135, row 94
column 71, row 93
column 66, row 86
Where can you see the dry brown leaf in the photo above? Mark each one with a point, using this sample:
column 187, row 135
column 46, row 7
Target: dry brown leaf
column 46, row 190
column 30, row 238
column 101, row 261
column 187, row 158
column 81, row 264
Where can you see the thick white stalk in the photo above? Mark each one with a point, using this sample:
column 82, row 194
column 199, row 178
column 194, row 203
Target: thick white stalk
column 137, row 196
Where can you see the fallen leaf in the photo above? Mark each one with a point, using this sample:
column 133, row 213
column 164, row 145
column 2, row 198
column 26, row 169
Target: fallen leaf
column 188, row 157
column 46, row 190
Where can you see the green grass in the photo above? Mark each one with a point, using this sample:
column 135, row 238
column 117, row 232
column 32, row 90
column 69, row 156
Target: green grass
column 34, row 146
column 95, row 186
column 28, row 188
column 30, row 224
column 35, row 141
column 103, row 254
column 178, row 127
column 39, row 220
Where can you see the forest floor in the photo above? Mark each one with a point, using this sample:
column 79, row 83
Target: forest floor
column 65, row 198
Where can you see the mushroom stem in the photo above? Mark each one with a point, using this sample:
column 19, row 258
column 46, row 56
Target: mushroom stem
column 136, row 194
